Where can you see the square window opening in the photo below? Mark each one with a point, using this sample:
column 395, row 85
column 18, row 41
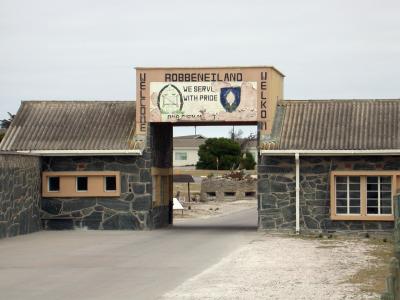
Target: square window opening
column 229, row 194
column 82, row 184
column 110, row 183
column 250, row 194
column 54, row 184
column 180, row 155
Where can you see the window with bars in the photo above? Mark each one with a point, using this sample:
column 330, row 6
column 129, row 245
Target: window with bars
column 379, row 195
column 362, row 196
column 348, row 196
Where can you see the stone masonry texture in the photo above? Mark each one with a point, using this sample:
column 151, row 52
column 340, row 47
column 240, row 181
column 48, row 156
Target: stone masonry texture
column 240, row 189
column 133, row 209
column 19, row 195
column 277, row 195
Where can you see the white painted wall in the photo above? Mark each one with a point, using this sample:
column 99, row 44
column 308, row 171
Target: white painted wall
column 192, row 157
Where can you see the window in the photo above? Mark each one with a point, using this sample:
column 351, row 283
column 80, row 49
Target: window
column 250, row 194
column 180, row 155
column 362, row 195
column 81, row 183
column 110, row 183
column 229, row 194
column 77, row 184
column 379, row 195
column 53, row 184
column 348, row 199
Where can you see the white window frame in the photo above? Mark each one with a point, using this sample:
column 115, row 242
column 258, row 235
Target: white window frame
column 363, row 174
column 181, row 152
column 379, row 196
column 348, row 197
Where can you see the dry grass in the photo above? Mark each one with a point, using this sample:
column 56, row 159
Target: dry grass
column 371, row 279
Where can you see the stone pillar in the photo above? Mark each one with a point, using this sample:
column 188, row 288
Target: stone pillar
column 161, row 144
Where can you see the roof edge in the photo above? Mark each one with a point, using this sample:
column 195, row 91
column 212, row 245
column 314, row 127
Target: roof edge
column 79, row 152
column 354, row 152
column 295, row 101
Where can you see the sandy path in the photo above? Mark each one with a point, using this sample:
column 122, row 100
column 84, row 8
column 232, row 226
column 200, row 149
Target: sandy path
column 275, row 267
column 202, row 210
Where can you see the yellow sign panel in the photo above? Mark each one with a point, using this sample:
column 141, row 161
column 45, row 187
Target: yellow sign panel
column 226, row 94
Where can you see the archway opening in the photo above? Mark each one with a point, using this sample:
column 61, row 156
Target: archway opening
column 214, row 177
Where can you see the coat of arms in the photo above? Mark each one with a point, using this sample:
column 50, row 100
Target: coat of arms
column 230, row 98
column 170, row 100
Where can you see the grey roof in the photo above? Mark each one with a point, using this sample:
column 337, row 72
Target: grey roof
column 179, row 142
column 336, row 125
column 183, row 178
column 71, row 125
column 192, row 136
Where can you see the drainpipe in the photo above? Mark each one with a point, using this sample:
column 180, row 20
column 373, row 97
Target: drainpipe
column 297, row 159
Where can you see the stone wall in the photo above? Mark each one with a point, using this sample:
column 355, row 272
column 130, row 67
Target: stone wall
column 277, row 195
column 132, row 210
column 19, row 194
column 220, row 186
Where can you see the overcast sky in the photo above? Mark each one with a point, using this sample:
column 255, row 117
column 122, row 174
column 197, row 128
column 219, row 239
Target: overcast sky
column 77, row 49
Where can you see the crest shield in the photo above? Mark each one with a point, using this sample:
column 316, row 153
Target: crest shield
column 230, row 98
column 170, row 99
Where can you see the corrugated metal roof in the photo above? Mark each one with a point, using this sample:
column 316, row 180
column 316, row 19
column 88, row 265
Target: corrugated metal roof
column 337, row 125
column 71, row 125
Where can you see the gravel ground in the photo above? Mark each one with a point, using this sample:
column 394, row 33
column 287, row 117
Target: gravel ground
column 276, row 267
column 201, row 210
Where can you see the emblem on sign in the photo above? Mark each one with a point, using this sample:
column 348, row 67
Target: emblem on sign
column 170, row 100
column 230, row 98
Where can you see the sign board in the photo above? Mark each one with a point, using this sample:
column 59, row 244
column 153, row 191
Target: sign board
column 224, row 94
column 176, row 204
column 203, row 101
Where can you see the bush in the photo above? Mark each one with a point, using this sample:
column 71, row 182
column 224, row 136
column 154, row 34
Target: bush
column 219, row 154
column 247, row 162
